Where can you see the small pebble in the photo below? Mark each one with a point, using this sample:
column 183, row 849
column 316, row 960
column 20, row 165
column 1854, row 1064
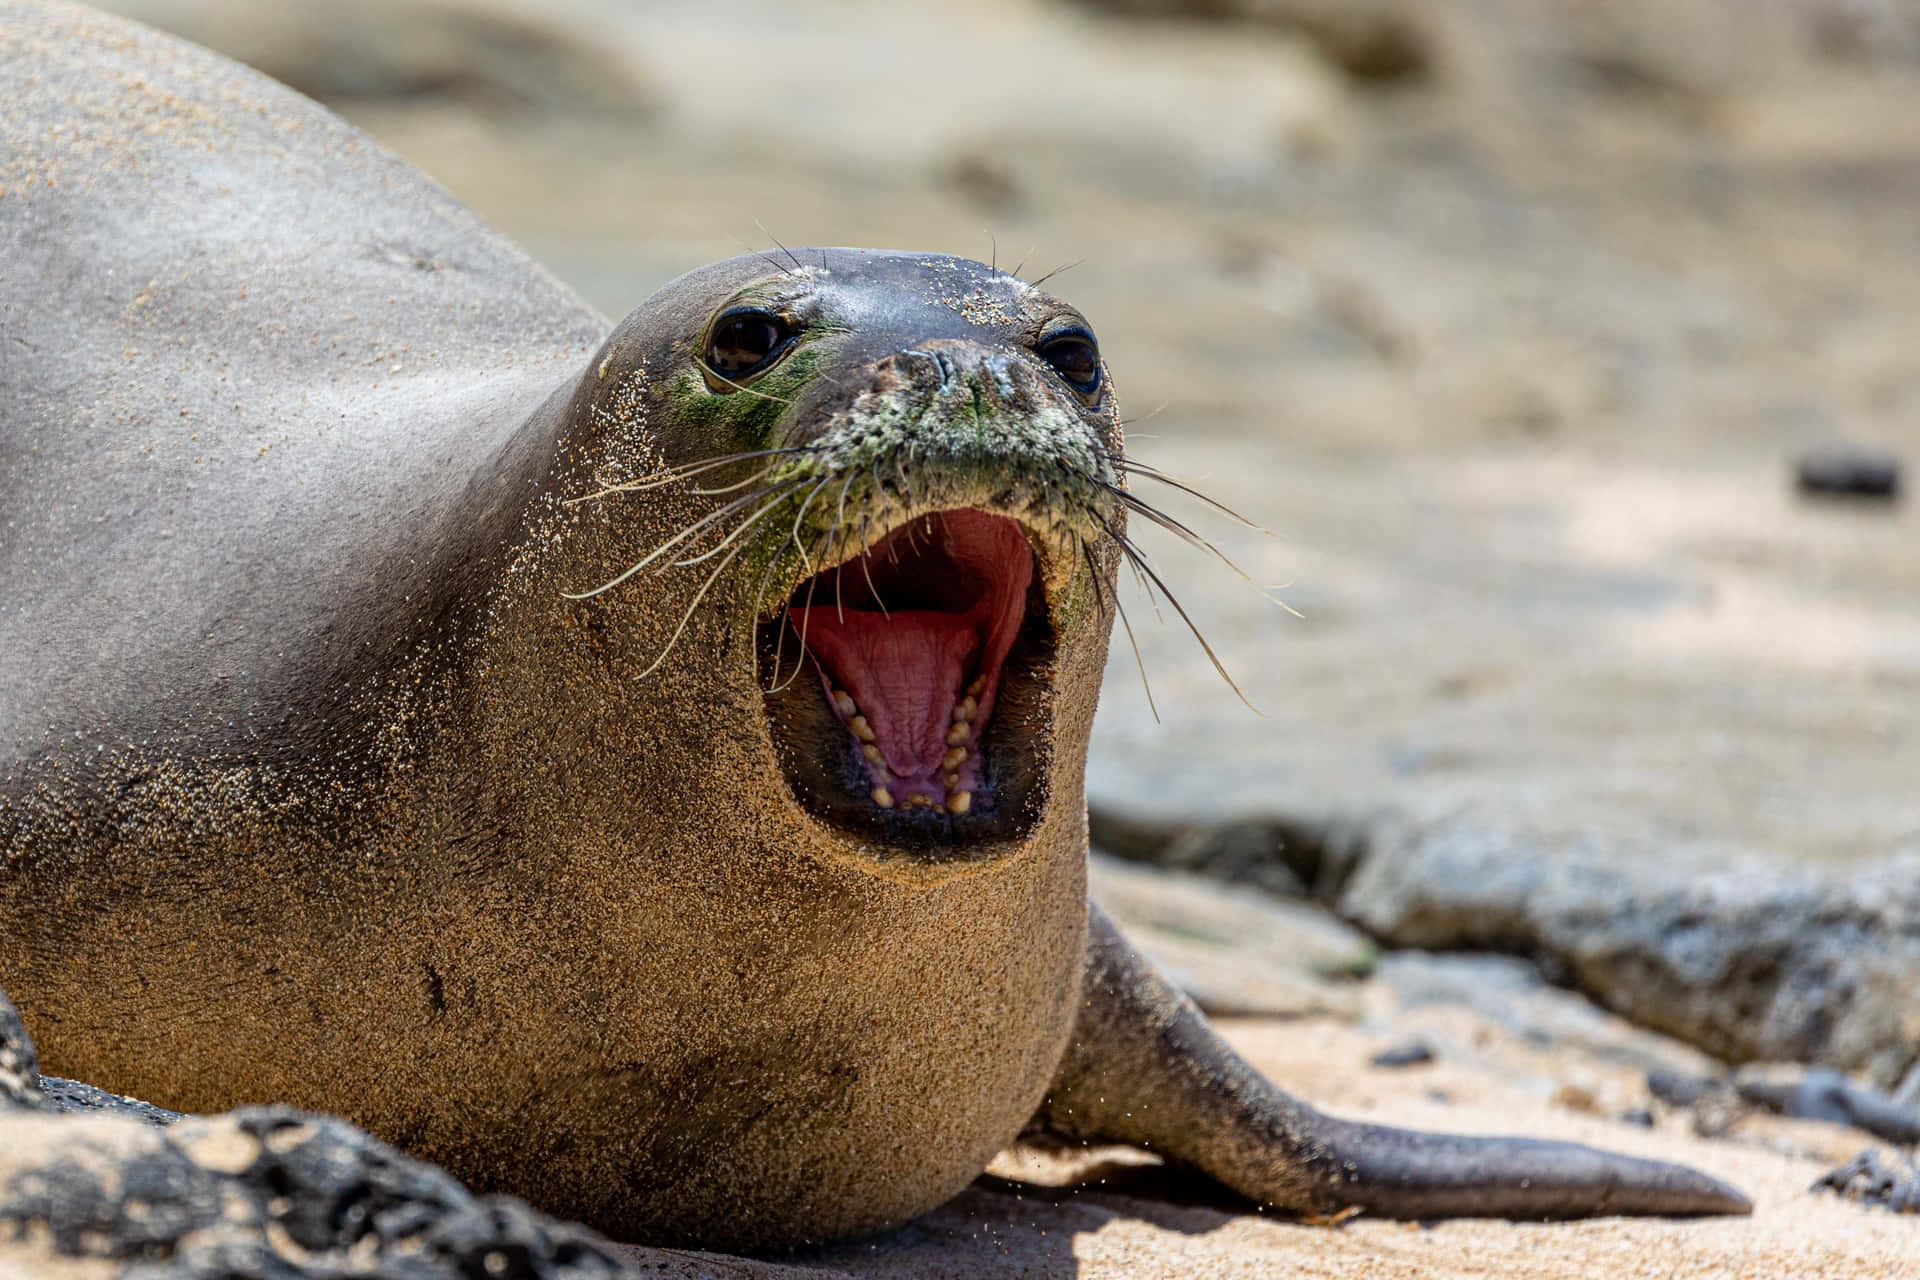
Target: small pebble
column 1849, row 473
column 1676, row 1089
column 1411, row 1054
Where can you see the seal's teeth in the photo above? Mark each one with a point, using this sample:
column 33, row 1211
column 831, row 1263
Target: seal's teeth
column 964, row 712
column 883, row 797
column 843, row 703
column 978, row 687
column 960, row 732
column 952, row 759
column 861, row 729
column 959, row 802
column 952, row 780
column 872, row 753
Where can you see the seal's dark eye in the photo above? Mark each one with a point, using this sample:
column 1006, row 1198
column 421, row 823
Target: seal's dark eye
column 745, row 340
column 1074, row 357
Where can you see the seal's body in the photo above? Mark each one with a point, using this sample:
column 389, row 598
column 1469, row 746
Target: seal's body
column 640, row 772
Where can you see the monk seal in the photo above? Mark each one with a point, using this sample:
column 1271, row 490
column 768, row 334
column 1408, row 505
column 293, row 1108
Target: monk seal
column 640, row 772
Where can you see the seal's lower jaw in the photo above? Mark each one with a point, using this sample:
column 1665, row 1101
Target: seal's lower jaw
column 919, row 716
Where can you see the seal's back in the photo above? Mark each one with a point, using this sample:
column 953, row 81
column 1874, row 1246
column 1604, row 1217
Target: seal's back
column 264, row 390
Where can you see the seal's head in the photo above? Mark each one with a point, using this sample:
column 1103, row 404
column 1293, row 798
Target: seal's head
column 905, row 470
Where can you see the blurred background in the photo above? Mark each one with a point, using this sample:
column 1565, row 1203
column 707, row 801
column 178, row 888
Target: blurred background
column 1516, row 322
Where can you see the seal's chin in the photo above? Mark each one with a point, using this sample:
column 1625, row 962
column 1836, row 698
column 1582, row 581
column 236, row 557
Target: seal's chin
column 917, row 714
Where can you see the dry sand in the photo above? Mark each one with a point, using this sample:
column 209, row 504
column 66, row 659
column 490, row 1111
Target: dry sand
column 1110, row 1214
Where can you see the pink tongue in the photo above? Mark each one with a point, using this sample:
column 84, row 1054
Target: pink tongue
column 904, row 670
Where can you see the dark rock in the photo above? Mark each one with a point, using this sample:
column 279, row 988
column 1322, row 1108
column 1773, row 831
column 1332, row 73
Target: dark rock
column 1626, row 73
column 1717, row 1112
column 1825, row 1094
column 1234, row 949
column 1511, row 994
column 1373, row 41
column 1714, row 1106
column 1752, row 963
column 1749, row 964
column 1412, row 1054
column 22, row 1085
column 1877, row 1178
column 1678, row 1089
column 1848, row 473
column 524, row 61
column 1861, row 34
column 1279, row 855
column 266, row 1192
column 19, row 1065
column 1638, row 1117
column 70, row 1095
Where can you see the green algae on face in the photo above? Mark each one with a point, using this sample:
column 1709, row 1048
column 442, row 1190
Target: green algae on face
column 748, row 416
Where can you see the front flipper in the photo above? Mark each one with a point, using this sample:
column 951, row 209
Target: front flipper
column 1145, row 1068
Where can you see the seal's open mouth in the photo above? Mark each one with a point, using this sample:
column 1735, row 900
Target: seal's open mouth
column 910, row 652
column 918, row 718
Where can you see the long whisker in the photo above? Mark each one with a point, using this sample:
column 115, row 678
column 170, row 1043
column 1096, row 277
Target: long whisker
column 1147, row 416
column 688, row 615
column 1127, row 549
column 740, row 528
column 765, row 257
column 839, row 523
column 880, row 489
column 741, row 386
column 1056, row 271
column 720, row 514
column 800, row 516
column 682, row 472
column 866, row 558
column 1121, row 610
column 1146, row 589
column 806, row 618
column 1178, row 529
column 776, row 240
column 698, row 466
column 906, row 481
column 785, row 615
column 1144, row 568
column 773, row 563
column 1153, row 473
column 806, row 563
column 699, row 526
column 1099, row 594
column 755, row 478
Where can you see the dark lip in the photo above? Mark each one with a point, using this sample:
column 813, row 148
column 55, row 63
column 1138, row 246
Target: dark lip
column 825, row 771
